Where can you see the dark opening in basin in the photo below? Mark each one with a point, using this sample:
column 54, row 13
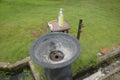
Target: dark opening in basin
column 56, row 55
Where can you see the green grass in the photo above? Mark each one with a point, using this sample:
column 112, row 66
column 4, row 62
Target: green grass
column 21, row 20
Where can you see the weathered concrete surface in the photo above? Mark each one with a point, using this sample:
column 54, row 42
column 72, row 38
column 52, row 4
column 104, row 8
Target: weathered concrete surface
column 26, row 62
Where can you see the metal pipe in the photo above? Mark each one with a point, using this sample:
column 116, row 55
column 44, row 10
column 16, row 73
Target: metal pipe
column 79, row 29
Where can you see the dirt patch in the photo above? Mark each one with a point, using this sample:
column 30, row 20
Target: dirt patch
column 36, row 34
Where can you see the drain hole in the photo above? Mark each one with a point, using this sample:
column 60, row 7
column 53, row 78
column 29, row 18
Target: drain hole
column 56, row 55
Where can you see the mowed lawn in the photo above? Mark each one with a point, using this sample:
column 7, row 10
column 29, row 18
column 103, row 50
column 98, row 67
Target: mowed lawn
column 22, row 21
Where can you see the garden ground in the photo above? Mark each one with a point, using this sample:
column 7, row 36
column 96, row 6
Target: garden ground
column 21, row 22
